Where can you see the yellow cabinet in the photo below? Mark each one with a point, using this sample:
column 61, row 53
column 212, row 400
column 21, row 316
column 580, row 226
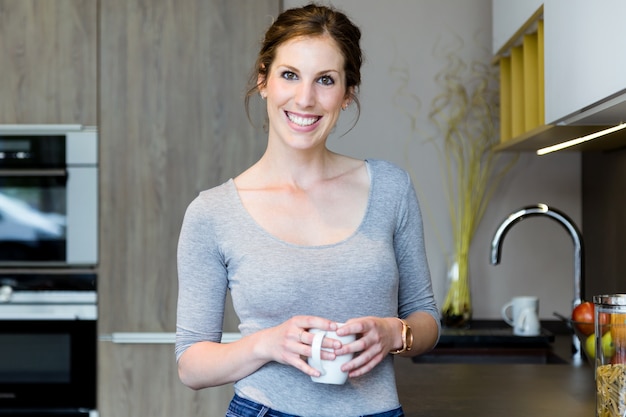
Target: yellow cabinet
column 560, row 77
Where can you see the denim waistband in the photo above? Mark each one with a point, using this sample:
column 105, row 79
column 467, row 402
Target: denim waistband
column 241, row 407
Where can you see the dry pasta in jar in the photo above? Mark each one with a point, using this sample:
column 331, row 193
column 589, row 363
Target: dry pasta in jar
column 611, row 390
column 610, row 358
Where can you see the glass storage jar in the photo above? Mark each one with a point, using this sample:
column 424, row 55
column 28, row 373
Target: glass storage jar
column 610, row 357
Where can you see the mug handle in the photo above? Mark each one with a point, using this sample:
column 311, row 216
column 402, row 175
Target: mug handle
column 316, row 348
column 505, row 315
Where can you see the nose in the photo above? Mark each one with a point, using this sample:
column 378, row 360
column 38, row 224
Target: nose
column 305, row 95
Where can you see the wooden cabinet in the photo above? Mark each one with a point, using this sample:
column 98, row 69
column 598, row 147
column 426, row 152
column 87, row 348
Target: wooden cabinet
column 142, row 380
column 563, row 62
column 49, row 62
column 164, row 83
column 172, row 123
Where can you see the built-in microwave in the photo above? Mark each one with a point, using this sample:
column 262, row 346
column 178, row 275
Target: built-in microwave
column 48, row 195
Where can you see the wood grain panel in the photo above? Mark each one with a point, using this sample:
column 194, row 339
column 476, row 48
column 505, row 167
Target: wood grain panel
column 49, row 61
column 143, row 381
column 173, row 76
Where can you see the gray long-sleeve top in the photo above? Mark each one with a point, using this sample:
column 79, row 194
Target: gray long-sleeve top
column 380, row 270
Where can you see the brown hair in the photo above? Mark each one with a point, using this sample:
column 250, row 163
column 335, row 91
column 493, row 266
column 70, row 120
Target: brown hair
column 311, row 20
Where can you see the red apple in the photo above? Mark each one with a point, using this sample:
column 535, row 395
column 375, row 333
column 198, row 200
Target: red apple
column 583, row 315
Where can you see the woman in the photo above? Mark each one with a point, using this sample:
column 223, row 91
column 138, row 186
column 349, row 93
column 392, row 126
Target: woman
column 305, row 238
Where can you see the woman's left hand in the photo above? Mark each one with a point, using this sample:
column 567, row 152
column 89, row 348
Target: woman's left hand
column 375, row 339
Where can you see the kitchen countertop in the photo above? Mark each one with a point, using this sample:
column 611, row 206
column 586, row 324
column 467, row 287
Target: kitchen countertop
column 486, row 390
column 496, row 390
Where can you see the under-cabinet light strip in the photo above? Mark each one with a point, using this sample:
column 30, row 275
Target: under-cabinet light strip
column 580, row 140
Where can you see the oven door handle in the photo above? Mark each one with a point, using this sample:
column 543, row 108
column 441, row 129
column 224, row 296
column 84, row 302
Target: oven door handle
column 33, row 172
column 7, row 129
column 48, row 312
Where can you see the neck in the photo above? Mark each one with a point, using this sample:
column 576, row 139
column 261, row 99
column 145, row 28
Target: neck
column 299, row 169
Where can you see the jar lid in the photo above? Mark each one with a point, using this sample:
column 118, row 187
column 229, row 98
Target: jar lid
column 610, row 299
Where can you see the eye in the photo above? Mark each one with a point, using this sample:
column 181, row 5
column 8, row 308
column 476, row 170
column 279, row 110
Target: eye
column 326, row 80
column 289, row 75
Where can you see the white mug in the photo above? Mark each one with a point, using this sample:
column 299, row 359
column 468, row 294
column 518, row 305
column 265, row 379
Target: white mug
column 512, row 313
column 330, row 370
column 527, row 323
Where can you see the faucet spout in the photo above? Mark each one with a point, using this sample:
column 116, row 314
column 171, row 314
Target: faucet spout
column 563, row 220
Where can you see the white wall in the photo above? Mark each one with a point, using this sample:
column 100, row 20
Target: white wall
column 537, row 255
column 514, row 14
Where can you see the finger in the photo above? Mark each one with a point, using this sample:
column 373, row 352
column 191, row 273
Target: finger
column 313, row 322
column 360, row 366
column 309, row 370
column 301, row 364
column 304, row 349
column 359, row 345
column 305, row 337
column 351, row 327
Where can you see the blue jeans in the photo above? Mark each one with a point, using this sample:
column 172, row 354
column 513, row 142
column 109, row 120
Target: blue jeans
column 240, row 407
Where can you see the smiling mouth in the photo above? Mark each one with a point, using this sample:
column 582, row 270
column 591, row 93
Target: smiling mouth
column 302, row 121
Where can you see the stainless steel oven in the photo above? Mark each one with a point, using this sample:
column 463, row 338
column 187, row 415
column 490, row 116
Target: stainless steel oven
column 48, row 343
column 48, row 195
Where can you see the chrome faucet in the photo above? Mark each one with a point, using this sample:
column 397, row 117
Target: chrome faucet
column 543, row 210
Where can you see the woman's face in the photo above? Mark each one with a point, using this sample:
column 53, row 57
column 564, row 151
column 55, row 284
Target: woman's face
column 305, row 91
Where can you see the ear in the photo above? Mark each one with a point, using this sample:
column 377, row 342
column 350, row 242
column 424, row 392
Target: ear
column 260, row 83
column 348, row 98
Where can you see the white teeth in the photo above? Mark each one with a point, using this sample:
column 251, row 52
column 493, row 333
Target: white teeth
column 302, row 121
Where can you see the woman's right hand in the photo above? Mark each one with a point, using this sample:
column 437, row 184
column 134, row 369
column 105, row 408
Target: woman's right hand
column 209, row 364
column 290, row 342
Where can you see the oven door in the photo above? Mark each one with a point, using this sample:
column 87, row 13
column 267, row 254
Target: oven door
column 49, row 217
column 47, row 365
column 33, row 216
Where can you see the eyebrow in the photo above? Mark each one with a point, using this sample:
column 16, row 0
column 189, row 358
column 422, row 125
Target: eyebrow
column 294, row 69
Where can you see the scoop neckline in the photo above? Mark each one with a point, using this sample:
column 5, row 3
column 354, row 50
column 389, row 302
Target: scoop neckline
column 264, row 231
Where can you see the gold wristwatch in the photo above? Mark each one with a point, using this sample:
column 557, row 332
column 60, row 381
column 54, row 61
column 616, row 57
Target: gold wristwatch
column 407, row 338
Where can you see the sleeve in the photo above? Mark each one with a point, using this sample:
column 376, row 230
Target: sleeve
column 415, row 292
column 202, row 279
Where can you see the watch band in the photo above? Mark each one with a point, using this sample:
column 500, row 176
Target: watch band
column 407, row 338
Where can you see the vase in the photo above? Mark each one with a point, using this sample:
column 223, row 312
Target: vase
column 457, row 307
